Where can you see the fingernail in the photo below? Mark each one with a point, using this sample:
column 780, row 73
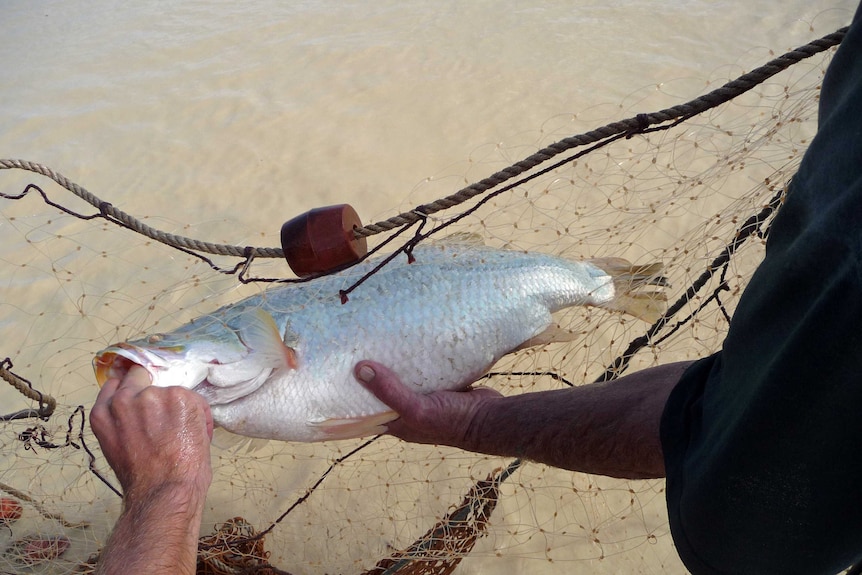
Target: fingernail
column 366, row 374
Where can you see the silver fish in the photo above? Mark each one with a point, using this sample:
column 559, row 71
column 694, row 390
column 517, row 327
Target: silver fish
column 279, row 365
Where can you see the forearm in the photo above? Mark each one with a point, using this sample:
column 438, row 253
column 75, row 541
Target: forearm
column 156, row 534
column 608, row 429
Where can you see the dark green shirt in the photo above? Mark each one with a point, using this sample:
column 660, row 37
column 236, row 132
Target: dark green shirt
column 763, row 440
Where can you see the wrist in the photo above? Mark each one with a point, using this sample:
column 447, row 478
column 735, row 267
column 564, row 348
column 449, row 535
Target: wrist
column 483, row 432
column 157, row 531
column 180, row 498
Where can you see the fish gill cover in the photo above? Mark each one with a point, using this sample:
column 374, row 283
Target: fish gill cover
column 696, row 191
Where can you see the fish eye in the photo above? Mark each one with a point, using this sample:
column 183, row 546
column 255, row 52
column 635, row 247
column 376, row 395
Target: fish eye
column 155, row 338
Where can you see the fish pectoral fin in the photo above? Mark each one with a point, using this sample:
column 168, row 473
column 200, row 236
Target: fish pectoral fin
column 267, row 354
column 352, row 427
column 260, row 333
column 222, row 386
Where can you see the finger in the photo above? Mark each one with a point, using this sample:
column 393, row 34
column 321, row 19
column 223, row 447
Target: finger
column 107, row 390
column 99, row 413
column 135, row 380
column 191, row 398
column 385, row 385
column 208, row 414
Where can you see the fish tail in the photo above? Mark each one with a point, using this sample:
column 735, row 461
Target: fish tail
column 629, row 281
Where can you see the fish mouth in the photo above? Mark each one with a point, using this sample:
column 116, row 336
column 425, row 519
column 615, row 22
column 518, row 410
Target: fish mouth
column 114, row 362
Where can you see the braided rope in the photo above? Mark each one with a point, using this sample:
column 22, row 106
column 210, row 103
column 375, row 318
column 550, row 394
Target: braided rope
column 629, row 126
column 47, row 404
column 135, row 224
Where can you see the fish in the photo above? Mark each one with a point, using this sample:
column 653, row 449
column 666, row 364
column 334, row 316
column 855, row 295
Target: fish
column 279, row 364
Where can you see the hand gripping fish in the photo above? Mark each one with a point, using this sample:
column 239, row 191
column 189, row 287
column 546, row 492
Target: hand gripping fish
column 279, row 365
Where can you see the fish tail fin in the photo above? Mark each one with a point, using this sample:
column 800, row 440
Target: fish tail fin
column 629, row 279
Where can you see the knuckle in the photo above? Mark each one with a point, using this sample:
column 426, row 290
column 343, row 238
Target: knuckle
column 98, row 419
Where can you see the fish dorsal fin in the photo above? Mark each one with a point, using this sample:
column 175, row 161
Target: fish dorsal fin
column 471, row 239
column 259, row 332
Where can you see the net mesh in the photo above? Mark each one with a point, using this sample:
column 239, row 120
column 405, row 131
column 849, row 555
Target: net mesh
column 697, row 196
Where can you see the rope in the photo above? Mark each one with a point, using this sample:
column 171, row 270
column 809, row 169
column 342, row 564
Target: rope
column 630, row 126
column 136, row 225
column 633, row 125
column 47, row 404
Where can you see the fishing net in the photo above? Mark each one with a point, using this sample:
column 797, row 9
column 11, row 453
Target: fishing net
column 694, row 187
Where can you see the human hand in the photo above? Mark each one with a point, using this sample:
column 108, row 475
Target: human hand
column 154, row 437
column 441, row 418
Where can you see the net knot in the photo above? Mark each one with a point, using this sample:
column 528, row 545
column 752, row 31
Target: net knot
column 642, row 122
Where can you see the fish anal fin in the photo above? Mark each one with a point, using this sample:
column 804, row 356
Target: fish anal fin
column 551, row 334
column 349, row 428
column 224, row 439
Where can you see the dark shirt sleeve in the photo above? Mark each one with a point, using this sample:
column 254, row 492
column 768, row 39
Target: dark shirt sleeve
column 763, row 440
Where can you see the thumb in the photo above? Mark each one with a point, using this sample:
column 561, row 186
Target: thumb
column 136, row 379
column 385, row 385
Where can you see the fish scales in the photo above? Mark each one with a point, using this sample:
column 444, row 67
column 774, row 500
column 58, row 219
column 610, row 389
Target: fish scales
column 439, row 322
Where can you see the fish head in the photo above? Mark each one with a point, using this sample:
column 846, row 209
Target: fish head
column 221, row 358
column 167, row 360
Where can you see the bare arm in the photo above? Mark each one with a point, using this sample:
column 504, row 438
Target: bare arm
column 608, row 428
column 157, row 441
